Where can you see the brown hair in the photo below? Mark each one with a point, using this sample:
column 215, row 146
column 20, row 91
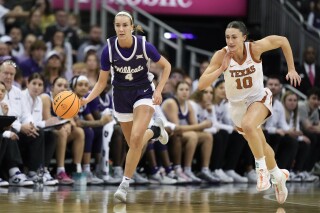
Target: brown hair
column 295, row 111
column 137, row 28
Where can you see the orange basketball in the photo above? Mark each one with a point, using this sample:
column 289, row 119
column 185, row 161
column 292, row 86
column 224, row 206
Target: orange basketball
column 66, row 104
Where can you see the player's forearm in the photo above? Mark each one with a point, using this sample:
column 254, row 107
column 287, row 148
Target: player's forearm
column 206, row 79
column 99, row 86
column 164, row 77
column 287, row 52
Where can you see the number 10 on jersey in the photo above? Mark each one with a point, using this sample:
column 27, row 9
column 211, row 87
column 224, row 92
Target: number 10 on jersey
column 245, row 82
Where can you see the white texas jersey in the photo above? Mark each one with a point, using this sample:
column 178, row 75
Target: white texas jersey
column 245, row 79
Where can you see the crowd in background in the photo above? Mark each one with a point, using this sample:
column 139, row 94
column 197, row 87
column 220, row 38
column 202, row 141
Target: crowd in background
column 43, row 53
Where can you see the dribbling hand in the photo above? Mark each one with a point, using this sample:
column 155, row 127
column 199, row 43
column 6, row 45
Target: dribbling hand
column 157, row 98
column 294, row 78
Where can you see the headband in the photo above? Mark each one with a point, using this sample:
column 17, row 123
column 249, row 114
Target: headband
column 77, row 79
column 125, row 14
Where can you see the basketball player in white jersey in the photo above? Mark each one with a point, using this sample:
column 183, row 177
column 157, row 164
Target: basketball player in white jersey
column 250, row 102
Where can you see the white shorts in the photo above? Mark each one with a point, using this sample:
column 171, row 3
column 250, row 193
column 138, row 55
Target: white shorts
column 238, row 109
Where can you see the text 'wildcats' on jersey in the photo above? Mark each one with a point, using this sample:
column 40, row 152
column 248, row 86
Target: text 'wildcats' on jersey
column 132, row 70
column 244, row 79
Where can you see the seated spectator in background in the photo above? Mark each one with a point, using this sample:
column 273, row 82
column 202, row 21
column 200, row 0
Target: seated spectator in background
column 61, row 45
column 203, row 66
column 79, row 68
column 6, row 13
column 228, row 144
column 31, row 138
column 93, row 67
column 309, row 71
column 17, row 48
column 310, row 126
column 8, row 41
column 179, row 111
column 27, row 42
column 290, row 103
column 61, row 24
column 68, row 133
column 32, row 102
column 85, row 119
column 94, row 40
column 35, row 62
column 10, row 158
column 47, row 17
column 4, row 50
column 53, row 69
column 284, row 146
column 33, row 24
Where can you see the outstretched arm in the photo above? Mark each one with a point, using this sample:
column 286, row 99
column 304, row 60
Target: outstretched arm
column 274, row 42
column 98, row 87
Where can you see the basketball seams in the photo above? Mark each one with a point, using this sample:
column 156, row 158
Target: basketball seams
column 75, row 96
column 61, row 101
column 78, row 107
column 59, row 106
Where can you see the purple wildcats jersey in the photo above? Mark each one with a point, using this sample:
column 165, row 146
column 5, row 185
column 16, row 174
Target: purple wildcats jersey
column 129, row 66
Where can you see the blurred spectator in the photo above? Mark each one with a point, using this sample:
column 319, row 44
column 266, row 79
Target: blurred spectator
column 309, row 71
column 33, row 24
column 92, row 62
column 94, row 40
column 53, row 69
column 35, row 62
column 203, row 66
column 59, row 44
column 314, row 16
column 27, row 42
column 8, row 41
column 17, row 48
column 4, row 50
column 304, row 6
column 75, row 24
column 6, row 13
column 61, row 24
column 47, row 18
column 279, row 132
column 80, row 68
column 310, row 125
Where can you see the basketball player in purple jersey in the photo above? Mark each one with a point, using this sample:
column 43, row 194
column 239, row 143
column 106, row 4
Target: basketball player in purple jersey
column 250, row 102
column 127, row 57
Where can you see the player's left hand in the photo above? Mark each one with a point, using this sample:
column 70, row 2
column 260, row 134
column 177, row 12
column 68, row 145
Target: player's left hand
column 157, row 97
column 294, row 78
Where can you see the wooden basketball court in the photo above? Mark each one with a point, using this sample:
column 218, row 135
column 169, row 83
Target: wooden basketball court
column 303, row 198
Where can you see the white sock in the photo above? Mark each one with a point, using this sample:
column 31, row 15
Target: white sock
column 187, row 169
column 276, row 173
column 176, row 167
column 79, row 169
column 86, row 167
column 13, row 171
column 261, row 163
column 125, row 179
column 60, row 169
column 205, row 169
